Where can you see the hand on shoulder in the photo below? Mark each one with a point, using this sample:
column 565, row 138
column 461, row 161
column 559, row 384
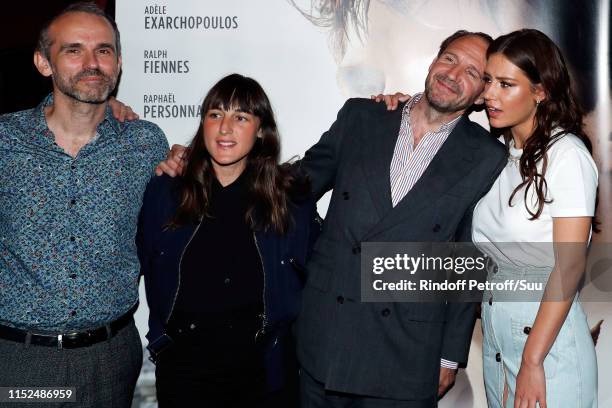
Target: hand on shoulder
column 121, row 111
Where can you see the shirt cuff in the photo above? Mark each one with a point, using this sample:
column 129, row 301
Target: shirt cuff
column 448, row 364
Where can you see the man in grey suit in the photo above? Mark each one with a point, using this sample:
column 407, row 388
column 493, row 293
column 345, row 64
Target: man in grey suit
column 409, row 175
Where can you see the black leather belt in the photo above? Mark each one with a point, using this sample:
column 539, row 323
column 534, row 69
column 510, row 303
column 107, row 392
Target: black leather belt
column 70, row 340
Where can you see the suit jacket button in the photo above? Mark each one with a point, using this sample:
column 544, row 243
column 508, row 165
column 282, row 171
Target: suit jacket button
column 340, row 299
column 436, row 228
column 498, row 357
column 527, row 330
column 385, row 312
column 356, row 250
column 345, row 195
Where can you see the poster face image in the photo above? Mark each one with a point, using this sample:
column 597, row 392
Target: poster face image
column 385, row 46
column 311, row 55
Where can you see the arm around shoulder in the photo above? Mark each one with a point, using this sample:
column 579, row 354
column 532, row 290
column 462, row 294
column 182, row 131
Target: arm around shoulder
column 321, row 161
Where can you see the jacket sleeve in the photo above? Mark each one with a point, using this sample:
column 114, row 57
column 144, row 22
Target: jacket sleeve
column 311, row 229
column 146, row 237
column 460, row 317
column 141, row 233
column 321, row 161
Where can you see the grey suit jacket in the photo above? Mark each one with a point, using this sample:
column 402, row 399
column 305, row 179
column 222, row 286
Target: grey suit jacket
column 388, row 350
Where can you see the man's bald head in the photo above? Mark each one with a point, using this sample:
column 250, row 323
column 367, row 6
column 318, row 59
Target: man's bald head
column 45, row 40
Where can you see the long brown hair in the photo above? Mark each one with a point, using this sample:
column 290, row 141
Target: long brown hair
column 269, row 184
column 543, row 63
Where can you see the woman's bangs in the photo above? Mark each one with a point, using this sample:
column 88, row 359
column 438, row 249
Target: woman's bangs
column 234, row 98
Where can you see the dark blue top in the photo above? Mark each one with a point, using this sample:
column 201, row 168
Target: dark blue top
column 215, row 283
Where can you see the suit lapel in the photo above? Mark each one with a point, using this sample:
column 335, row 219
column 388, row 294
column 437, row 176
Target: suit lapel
column 452, row 162
column 376, row 155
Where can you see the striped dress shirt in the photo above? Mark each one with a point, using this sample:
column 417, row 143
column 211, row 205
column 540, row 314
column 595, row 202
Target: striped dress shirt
column 409, row 162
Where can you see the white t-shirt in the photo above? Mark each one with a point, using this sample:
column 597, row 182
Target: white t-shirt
column 571, row 180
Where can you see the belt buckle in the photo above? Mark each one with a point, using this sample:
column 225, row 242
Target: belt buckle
column 68, row 340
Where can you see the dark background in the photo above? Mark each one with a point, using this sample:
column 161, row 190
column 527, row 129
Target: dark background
column 21, row 86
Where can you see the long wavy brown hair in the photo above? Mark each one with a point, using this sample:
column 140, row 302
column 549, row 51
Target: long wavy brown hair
column 543, row 63
column 270, row 185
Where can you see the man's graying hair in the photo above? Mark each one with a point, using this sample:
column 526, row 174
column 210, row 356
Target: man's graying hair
column 460, row 34
column 45, row 42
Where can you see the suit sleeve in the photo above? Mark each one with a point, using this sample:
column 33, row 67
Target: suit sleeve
column 460, row 317
column 321, row 161
column 316, row 224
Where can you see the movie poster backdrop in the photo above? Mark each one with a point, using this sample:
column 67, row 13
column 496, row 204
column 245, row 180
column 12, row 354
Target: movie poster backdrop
column 311, row 55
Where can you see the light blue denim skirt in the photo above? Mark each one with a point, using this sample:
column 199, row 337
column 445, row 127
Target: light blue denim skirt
column 570, row 367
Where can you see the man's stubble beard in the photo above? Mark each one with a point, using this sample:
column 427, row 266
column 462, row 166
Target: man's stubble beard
column 94, row 95
column 444, row 106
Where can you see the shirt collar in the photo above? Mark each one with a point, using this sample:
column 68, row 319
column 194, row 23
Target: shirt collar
column 42, row 134
column 444, row 128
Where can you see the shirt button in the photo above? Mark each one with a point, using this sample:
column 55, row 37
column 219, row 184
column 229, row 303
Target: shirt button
column 385, row 312
column 527, row 330
column 491, row 301
column 73, row 276
column 73, row 313
column 72, row 239
column 340, row 299
column 72, row 202
column 73, row 166
column 356, row 250
column 498, row 357
column 226, row 281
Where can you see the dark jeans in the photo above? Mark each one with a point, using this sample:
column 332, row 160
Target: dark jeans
column 172, row 392
column 314, row 395
column 104, row 374
column 217, row 367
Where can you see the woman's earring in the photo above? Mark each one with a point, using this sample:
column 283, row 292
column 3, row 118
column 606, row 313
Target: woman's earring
column 537, row 103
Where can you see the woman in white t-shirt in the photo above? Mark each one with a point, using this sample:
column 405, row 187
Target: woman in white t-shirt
column 536, row 351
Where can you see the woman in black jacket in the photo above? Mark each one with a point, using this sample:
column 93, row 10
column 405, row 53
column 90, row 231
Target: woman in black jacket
column 222, row 250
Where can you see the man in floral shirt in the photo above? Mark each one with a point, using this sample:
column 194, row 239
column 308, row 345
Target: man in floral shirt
column 71, row 184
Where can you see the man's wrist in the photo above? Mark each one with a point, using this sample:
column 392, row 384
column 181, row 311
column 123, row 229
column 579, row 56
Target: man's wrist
column 448, row 364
